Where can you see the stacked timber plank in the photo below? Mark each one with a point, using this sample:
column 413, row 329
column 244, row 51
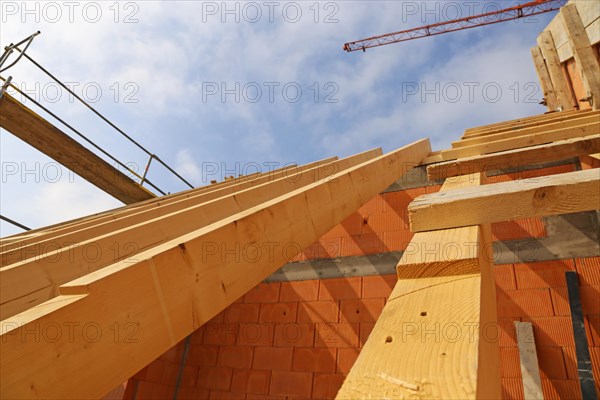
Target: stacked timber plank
column 86, row 304
column 437, row 335
column 565, row 59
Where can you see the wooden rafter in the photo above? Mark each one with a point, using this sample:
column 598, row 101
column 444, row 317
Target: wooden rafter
column 73, row 233
column 38, row 276
column 169, row 290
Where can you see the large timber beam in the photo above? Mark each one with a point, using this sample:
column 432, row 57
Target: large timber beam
column 433, row 339
column 72, row 234
column 587, row 118
column 516, row 142
column 549, row 195
column 520, row 122
column 39, row 133
column 166, row 292
column 154, row 201
column 559, row 81
column 544, row 77
column 43, row 233
column 37, row 278
column 560, row 150
column 583, row 52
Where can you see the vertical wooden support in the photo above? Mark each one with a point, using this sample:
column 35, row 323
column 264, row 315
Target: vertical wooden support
column 582, row 348
column 437, row 336
column 586, row 61
column 530, row 371
column 544, row 77
column 557, row 76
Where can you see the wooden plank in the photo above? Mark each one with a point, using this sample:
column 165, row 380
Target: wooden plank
column 544, row 77
column 559, row 82
column 518, row 142
column 550, row 195
column 520, row 122
column 588, row 118
column 559, row 150
column 72, row 256
column 88, row 229
column 426, row 342
column 223, row 187
column 39, row 133
column 550, row 117
column 78, row 223
column 170, row 290
column 559, row 36
column 586, row 61
column 116, row 212
column 530, row 371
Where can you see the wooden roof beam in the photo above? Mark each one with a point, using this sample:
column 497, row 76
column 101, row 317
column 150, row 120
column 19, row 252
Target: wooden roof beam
column 534, row 119
column 39, row 133
column 80, row 223
column 583, row 52
column 549, row 195
column 170, row 290
column 559, row 150
column 46, row 266
column 587, row 118
column 516, row 143
column 74, row 233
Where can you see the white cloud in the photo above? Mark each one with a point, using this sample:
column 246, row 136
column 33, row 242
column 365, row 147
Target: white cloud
column 170, row 52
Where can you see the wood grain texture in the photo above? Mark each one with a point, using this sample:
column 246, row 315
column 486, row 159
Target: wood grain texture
column 45, row 137
column 72, row 234
column 587, row 118
column 427, row 342
column 559, row 82
column 520, row 122
column 544, row 77
column 530, row 371
column 49, row 265
column 586, row 61
column 168, row 291
column 560, row 150
column 519, row 142
column 51, row 231
column 550, row 195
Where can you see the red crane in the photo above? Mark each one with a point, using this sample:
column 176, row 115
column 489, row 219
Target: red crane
column 507, row 14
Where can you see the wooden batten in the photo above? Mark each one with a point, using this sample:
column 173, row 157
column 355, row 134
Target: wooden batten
column 560, row 150
column 549, row 195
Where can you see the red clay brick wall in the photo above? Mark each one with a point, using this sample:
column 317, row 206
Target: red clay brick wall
column 281, row 340
column 299, row 339
column 537, row 292
column 380, row 226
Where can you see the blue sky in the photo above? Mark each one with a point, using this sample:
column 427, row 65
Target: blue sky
column 183, row 78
